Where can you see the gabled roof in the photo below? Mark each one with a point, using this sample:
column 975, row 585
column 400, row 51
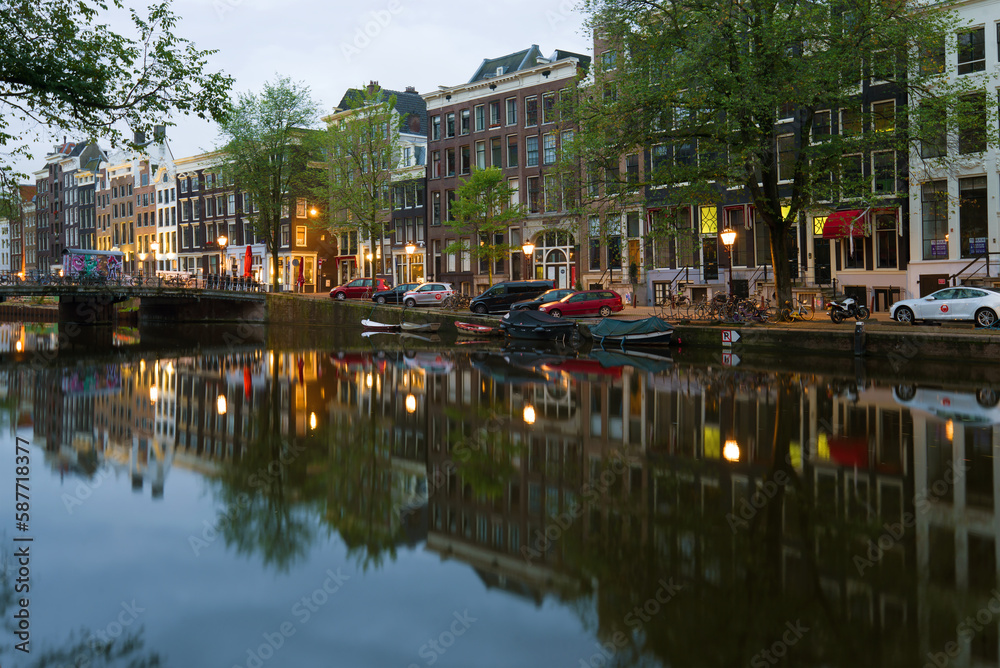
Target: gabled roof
column 510, row 63
column 408, row 103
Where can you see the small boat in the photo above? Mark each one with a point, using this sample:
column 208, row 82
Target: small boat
column 537, row 326
column 380, row 326
column 472, row 329
column 429, row 327
column 649, row 331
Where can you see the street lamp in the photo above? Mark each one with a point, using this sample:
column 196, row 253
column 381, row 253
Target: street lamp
column 142, row 259
column 222, row 241
column 528, row 249
column 731, row 451
column 371, row 266
column 728, row 236
column 410, row 249
column 155, row 247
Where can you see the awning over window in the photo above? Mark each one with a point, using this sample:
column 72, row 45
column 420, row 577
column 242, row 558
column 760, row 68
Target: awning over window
column 843, row 224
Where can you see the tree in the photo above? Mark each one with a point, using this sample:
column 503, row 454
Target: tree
column 267, row 152
column 763, row 96
column 483, row 210
column 363, row 147
column 60, row 67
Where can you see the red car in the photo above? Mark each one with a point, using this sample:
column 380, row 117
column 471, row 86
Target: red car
column 359, row 288
column 588, row 302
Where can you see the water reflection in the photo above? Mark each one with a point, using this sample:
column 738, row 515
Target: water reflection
column 687, row 513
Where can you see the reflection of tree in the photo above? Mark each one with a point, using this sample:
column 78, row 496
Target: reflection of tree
column 482, row 450
column 359, row 494
column 259, row 490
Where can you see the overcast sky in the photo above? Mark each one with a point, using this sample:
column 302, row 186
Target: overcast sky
column 333, row 46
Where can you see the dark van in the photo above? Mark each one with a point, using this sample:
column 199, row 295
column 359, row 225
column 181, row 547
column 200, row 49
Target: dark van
column 499, row 297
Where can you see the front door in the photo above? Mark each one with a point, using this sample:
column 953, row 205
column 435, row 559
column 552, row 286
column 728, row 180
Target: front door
column 557, row 274
column 821, row 261
column 710, row 256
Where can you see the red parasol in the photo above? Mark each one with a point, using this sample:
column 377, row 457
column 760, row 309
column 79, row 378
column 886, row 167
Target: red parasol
column 301, row 277
column 247, row 261
column 247, row 381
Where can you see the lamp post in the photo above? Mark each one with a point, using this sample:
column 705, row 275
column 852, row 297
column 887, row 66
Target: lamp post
column 371, row 266
column 728, row 236
column 222, row 241
column 528, row 249
column 410, row 249
column 142, row 259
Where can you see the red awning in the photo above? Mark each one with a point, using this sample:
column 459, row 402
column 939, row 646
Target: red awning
column 842, row 224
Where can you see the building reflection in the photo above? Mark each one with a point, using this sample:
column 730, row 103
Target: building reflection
column 588, row 481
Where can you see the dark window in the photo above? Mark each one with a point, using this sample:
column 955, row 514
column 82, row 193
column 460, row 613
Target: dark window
column 972, row 50
column 972, row 215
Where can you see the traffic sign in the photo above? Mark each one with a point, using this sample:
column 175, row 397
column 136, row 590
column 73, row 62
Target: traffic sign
column 730, row 359
column 729, row 337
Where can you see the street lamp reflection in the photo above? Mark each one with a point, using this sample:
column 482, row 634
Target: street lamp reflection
column 312, row 420
column 529, row 414
column 154, row 394
column 411, row 403
column 731, row 451
column 220, row 404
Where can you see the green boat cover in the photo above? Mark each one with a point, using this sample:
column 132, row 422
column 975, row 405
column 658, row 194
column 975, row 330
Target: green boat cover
column 619, row 328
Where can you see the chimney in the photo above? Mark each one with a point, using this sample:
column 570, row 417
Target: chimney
column 411, row 89
column 139, row 137
column 159, row 133
column 372, row 87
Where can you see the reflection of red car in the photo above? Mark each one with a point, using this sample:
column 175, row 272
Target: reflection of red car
column 359, row 288
column 588, row 302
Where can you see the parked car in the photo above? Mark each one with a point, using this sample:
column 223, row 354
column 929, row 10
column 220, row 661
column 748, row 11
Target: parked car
column 588, row 302
column 427, row 294
column 959, row 303
column 359, row 288
column 394, row 295
column 498, row 299
column 544, row 298
column 968, row 408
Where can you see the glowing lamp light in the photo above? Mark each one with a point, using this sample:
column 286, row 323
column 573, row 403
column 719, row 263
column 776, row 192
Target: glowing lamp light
column 312, row 420
column 528, row 248
column 529, row 414
column 731, row 451
column 368, row 381
column 728, row 236
column 411, row 403
column 410, row 248
column 19, row 347
column 220, row 404
column 949, row 430
column 154, row 394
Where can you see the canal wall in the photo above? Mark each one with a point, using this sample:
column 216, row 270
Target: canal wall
column 282, row 309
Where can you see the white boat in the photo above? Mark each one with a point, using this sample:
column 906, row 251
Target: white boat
column 380, row 326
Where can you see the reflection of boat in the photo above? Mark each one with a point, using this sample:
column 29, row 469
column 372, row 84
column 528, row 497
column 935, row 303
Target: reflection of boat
column 536, row 326
column 472, row 329
column 650, row 331
column 498, row 368
column 420, row 326
column 380, row 326
column 430, row 338
column 643, row 361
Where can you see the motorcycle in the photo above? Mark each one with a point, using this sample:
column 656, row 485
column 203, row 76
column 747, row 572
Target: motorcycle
column 848, row 308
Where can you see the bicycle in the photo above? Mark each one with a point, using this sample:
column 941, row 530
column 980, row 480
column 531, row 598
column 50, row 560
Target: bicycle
column 456, row 301
column 802, row 311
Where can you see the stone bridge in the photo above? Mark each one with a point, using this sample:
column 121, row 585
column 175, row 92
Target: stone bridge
column 96, row 304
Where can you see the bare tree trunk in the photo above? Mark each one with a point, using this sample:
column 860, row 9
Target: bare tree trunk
column 778, row 234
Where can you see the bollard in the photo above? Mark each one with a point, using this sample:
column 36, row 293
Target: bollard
column 859, row 338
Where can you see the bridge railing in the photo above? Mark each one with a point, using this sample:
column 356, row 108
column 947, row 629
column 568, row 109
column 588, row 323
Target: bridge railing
column 210, row 282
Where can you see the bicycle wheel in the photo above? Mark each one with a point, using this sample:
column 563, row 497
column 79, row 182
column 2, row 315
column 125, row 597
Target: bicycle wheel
column 785, row 315
column 806, row 311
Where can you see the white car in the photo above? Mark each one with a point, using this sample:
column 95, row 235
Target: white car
column 959, row 303
column 428, row 294
column 979, row 409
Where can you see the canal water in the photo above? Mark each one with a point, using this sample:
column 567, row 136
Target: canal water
column 251, row 497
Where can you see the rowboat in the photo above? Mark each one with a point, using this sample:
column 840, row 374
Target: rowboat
column 472, row 329
column 429, row 327
column 380, row 326
column 536, row 326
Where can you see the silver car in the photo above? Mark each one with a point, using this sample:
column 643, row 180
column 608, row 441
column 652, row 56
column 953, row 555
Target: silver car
column 428, row 294
column 959, row 303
